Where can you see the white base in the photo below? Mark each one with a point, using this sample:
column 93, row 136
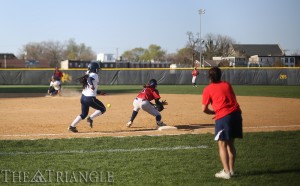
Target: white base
column 167, row 128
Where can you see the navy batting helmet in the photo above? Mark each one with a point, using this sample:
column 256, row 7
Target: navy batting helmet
column 152, row 83
column 94, row 67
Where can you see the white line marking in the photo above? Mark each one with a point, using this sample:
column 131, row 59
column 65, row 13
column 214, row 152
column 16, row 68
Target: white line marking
column 105, row 150
column 126, row 132
column 287, row 126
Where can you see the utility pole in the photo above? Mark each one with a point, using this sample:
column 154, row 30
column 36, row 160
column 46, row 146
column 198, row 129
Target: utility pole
column 4, row 60
column 201, row 11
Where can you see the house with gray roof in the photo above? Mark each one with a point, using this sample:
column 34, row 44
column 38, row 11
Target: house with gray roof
column 260, row 55
column 257, row 54
column 249, row 50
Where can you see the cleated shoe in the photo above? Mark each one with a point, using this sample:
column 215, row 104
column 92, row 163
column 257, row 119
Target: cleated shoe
column 90, row 121
column 73, row 129
column 129, row 124
column 160, row 123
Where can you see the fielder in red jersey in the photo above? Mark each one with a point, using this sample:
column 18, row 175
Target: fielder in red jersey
column 195, row 73
column 142, row 101
column 149, row 93
column 228, row 119
column 57, row 73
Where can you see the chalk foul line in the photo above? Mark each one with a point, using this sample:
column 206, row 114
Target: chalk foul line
column 105, row 150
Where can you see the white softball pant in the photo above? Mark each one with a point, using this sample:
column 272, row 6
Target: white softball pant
column 194, row 79
column 145, row 105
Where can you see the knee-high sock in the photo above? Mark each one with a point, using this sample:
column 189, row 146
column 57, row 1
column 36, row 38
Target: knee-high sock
column 158, row 117
column 134, row 114
column 95, row 114
column 76, row 121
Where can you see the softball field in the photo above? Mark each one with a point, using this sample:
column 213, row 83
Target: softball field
column 36, row 116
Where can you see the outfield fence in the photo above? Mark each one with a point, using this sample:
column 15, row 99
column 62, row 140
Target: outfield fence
column 165, row 76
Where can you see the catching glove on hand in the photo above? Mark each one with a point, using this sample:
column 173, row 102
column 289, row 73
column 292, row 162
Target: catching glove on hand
column 160, row 106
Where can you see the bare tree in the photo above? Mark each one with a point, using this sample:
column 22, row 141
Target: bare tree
column 217, row 45
column 171, row 57
column 192, row 44
column 86, row 53
column 34, row 51
column 210, row 47
column 74, row 51
column 71, row 50
column 54, row 52
column 295, row 53
column 224, row 43
column 183, row 57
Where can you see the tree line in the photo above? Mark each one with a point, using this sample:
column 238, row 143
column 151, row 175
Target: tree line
column 55, row 52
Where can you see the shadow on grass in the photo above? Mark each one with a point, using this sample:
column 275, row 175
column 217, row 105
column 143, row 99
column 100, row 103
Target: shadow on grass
column 133, row 129
column 268, row 172
column 114, row 91
column 194, row 126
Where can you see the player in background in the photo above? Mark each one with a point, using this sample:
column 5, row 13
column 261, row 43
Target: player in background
column 88, row 98
column 57, row 74
column 195, row 73
column 142, row 101
column 228, row 119
column 54, row 88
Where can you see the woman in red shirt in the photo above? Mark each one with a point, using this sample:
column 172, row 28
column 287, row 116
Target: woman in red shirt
column 228, row 119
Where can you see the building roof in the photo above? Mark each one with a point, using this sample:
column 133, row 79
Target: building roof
column 260, row 50
column 212, row 63
column 7, row 56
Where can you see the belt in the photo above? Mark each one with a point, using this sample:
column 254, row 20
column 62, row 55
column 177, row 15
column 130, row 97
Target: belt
column 140, row 99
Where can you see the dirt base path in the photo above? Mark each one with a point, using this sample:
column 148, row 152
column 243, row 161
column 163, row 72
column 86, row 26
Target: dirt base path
column 34, row 116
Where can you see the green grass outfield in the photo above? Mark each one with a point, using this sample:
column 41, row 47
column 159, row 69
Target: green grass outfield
column 263, row 159
column 241, row 90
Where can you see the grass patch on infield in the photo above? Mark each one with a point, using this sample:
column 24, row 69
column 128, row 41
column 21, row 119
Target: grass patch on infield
column 240, row 90
column 263, row 159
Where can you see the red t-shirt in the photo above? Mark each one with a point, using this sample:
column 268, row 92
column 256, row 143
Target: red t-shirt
column 222, row 98
column 149, row 93
column 195, row 72
column 58, row 74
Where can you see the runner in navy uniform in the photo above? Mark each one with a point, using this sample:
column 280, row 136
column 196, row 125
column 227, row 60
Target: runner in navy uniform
column 88, row 97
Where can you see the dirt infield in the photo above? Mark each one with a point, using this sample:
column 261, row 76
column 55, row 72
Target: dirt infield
column 34, row 116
